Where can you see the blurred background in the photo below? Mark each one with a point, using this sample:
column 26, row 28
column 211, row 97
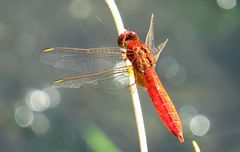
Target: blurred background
column 199, row 67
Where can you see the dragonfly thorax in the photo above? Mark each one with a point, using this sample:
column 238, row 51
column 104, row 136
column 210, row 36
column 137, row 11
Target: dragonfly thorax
column 140, row 56
column 137, row 52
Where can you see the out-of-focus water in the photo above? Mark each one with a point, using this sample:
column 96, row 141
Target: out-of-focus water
column 199, row 67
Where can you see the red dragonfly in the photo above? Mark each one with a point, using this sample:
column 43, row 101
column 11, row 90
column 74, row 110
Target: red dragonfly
column 106, row 68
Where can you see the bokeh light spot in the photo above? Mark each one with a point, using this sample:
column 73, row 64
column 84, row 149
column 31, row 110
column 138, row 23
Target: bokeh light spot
column 80, row 9
column 180, row 76
column 23, row 116
column 199, row 125
column 40, row 123
column 227, row 4
column 54, row 96
column 38, row 100
column 172, row 71
column 169, row 67
column 187, row 112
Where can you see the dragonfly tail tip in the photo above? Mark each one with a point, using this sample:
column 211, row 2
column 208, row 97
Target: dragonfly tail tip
column 180, row 137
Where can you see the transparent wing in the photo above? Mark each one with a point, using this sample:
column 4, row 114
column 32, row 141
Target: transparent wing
column 150, row 37
column 83, row 61
column 150, row 41
column 108, row 80
column 160, row 47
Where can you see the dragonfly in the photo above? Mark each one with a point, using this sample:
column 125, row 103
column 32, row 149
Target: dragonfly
column 106, row 68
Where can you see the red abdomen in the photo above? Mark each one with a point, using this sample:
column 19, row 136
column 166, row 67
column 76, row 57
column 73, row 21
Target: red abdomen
column 163, row 103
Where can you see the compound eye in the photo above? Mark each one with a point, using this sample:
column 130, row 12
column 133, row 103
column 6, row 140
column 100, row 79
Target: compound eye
column 132, row 33
column 125, row 37
column 121, row 40
column 132, row 36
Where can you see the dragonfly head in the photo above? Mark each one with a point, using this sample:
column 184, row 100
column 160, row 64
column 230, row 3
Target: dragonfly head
column 125, row 37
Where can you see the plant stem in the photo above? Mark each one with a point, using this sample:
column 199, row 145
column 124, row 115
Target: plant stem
column 133, row 88
column 195, row 146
